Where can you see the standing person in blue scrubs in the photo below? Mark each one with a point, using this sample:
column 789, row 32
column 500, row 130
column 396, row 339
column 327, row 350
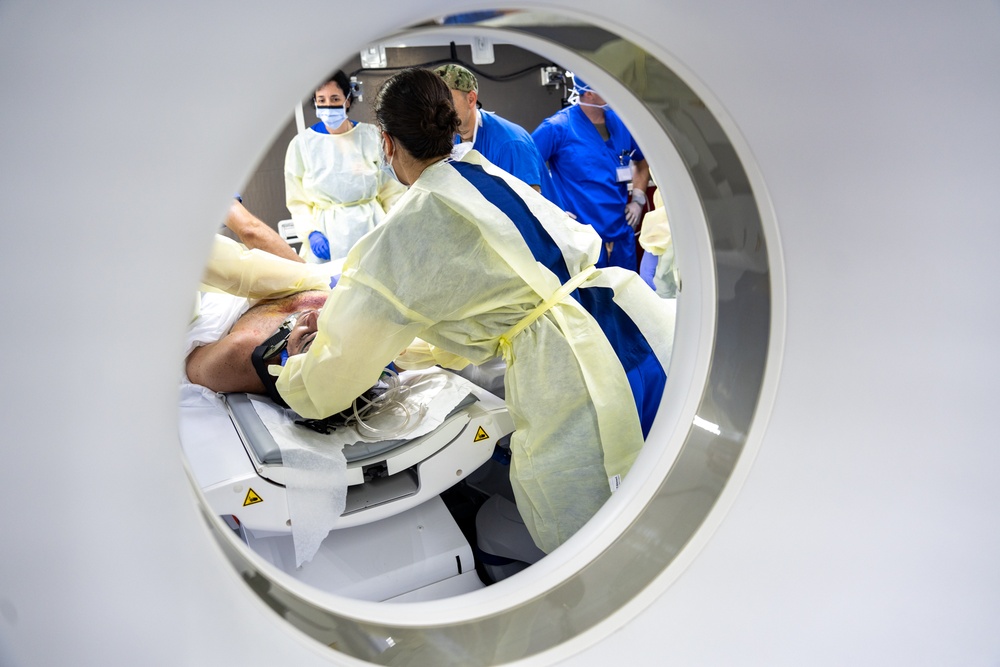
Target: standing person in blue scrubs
column 592, row 158
column 507, row 145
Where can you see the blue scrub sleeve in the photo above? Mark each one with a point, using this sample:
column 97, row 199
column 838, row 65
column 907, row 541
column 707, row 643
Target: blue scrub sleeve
column 517, row 159
column 544, row 137
column 637, row 155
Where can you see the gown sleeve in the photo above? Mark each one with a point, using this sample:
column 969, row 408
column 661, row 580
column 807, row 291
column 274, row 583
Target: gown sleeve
column 296, row 199
column 256, row 274
column 360, row 330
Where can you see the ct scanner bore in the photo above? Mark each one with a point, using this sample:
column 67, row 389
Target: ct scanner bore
column 705, row 178
column 862, row 534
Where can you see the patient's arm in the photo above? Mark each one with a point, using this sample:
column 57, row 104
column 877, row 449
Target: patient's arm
column 224, row 365
column 254, row 233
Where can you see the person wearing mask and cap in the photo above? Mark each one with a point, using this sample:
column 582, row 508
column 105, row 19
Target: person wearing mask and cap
column 592, row 158
column 334, row 185
column 507, row 145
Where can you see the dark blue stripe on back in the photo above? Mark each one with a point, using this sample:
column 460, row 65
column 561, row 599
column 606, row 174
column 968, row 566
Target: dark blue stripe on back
column 499, row 193
column 645, row 374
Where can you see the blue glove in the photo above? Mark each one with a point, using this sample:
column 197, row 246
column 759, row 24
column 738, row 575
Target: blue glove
column 320, row 246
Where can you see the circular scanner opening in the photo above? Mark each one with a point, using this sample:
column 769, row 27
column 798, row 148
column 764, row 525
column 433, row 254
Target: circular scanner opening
column 700, row 436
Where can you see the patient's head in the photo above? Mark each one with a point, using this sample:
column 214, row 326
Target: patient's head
column 293, row 336
column 258, row 339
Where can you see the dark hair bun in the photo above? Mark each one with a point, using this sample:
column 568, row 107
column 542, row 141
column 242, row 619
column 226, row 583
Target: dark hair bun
column 415, row 107
column 441, row 119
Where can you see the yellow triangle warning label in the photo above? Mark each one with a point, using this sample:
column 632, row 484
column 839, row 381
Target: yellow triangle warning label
column 481, row 435
column 252, row 498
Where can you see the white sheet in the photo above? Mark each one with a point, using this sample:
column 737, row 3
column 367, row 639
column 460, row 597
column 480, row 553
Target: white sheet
column 215, row 315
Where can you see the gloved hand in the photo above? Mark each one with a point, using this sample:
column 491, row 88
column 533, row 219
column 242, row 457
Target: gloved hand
column 320, row 246
column 633, row 209
column 633, row 213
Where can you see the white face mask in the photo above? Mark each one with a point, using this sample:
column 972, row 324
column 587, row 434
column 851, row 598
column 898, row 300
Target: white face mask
column 574, row 98
column 331, row 116
column 387, row 165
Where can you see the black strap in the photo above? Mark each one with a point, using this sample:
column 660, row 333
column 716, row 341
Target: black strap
column 260, row 365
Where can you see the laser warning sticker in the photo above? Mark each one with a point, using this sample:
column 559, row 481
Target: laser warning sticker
column 480, row 435
column 252, row 498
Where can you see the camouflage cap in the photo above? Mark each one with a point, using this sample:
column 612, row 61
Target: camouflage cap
column 457, row 77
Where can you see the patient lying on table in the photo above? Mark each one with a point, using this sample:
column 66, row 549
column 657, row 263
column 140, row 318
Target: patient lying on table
column 284, row 295
column 225, row 365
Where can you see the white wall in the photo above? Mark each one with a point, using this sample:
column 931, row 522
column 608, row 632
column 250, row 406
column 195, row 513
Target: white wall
column 866, row 530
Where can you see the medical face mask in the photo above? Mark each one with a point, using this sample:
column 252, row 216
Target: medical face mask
column 574, row 98
column 587, row 104
column 331, row 116
column 387, row 166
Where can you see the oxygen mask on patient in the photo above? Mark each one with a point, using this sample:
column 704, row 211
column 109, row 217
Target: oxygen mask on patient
column 293, row 336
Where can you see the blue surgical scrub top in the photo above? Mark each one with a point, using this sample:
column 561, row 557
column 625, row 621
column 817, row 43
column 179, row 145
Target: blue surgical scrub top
column 510, row 147
column 584, row 171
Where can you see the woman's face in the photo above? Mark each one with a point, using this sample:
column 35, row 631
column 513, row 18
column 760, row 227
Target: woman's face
column 330, row 95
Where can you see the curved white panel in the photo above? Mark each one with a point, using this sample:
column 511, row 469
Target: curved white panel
column 864, row 531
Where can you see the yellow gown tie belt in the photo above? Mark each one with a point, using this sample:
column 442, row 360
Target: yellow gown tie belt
column 327, row 205
column 506, row 340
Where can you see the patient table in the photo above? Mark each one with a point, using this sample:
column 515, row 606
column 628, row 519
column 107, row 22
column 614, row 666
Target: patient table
column 395, row 538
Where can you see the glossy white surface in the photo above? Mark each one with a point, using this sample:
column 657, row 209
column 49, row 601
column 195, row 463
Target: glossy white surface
column 865, row 530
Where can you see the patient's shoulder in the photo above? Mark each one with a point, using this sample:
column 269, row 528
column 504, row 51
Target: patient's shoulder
column 225, row 364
